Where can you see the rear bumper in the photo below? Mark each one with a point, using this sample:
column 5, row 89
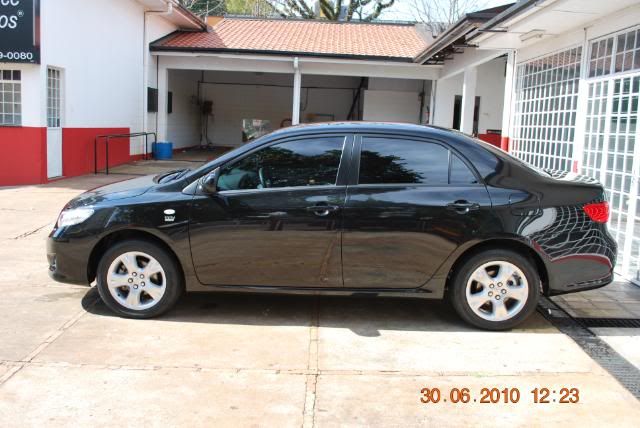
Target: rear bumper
column 68, row 261
column 579, row 273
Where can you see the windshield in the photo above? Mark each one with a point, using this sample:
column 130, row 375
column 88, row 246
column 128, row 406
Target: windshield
column 225, row 157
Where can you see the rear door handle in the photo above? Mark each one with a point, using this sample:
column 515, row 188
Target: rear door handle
column 323, row 210
column 463, row 207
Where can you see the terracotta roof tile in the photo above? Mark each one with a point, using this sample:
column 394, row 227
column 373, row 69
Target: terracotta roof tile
column 304, row 37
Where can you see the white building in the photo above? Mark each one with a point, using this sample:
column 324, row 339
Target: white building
column 90, row 80
column 571, row 90
column 94, row 72
column 556, row 82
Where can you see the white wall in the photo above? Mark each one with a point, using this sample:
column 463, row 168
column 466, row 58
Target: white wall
column 391, row 106
column 183, row 128
column 395, row 100
column 238, row 96
column 98, row 45
column 600, row 27
column 446, row 90
column 100, row 51
column 490, row 89
column 157, row 27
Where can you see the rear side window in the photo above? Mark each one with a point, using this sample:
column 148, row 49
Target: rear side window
column 401, row 161
column 391, row 161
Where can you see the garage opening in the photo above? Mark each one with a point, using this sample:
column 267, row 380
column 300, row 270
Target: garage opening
column 221, row 110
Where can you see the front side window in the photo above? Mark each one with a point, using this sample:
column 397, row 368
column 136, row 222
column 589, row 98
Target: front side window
column 397, row 161
column 10, row 98
column 300, row 163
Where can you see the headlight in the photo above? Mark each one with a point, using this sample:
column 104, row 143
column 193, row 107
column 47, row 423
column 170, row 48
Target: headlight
column 74, row 216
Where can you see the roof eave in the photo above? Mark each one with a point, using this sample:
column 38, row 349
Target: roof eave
column 196, row 50
column 515, row 10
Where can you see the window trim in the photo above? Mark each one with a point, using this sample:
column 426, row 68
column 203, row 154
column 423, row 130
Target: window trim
column 357, row 149
column 345, row 157
column 614, row 51
column 14, row 103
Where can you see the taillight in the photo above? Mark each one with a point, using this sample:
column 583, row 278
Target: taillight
column 598, row 211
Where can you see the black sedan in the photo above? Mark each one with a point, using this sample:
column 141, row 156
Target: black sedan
column 343, row 208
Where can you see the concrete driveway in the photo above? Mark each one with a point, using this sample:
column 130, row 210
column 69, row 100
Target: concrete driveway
column 250, row 360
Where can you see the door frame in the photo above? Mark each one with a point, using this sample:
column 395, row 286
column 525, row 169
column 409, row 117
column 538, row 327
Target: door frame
column 58, row 170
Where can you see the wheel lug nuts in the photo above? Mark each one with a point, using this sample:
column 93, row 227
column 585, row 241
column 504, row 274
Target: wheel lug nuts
column 498, row 297
column 130, row 280
column 490, row 285
column 135, row 286
column 142, row 284
column 499, row 284
column 490, row 293
column 141, row 276
column 134, row 274
column 504, row 291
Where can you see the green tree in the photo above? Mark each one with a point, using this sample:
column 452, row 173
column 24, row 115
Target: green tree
column 363, row 10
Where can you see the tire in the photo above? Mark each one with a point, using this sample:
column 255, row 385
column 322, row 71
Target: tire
column 509, row 299
column 153, row 295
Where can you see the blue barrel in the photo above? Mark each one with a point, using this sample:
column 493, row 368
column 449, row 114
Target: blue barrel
column 163, row 150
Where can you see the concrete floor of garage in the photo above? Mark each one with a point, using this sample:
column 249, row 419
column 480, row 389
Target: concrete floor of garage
column 247, row 360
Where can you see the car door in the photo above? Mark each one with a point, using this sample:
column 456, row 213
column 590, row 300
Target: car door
column 276, row 217
column 410, row 204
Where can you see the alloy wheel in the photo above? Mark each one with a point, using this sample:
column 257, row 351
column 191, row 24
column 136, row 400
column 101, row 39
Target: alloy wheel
column 497, row 291
column 136, row 280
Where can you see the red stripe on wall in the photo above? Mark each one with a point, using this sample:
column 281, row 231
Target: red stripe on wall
column 78, row 149
column 504, row 143
column 24, row 155
column 493, row 139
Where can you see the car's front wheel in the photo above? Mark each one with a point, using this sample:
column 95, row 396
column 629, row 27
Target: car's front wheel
column 138, row 279
column 495, row 289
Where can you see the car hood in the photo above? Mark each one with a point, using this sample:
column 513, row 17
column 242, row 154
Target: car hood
column 115, row 191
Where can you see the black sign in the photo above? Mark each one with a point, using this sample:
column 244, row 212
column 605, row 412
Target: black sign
column 20, row 31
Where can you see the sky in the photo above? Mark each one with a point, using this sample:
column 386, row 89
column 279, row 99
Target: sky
column 402, row 9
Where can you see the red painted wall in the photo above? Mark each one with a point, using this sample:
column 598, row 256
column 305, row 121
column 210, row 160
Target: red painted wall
column 78, row 151
column 493, row 139
column 23, row 155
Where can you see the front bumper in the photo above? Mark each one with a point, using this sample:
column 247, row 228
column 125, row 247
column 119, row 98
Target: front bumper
column 68, row 260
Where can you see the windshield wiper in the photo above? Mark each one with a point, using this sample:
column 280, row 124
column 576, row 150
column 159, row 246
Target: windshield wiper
column 173, row 175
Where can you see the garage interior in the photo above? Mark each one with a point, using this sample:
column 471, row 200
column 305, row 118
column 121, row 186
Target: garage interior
column 224, row 109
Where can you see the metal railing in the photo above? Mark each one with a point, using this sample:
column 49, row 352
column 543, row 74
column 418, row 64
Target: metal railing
column 110, row 137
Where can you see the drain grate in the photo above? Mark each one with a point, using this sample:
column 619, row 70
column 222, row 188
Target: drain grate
column 600, row 351
column 610, row 322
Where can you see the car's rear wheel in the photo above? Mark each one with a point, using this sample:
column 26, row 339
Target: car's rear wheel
column 138, row 279
column 495, row 289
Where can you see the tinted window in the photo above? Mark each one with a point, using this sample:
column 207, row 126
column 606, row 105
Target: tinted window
column 312, row 162
column 387, row 160
column 460, row 173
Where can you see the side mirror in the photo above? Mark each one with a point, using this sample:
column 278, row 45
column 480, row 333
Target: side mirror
column 209, row 183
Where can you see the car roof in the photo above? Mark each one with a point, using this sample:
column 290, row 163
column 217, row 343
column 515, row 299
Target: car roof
column 363, row 126
column 475, row 151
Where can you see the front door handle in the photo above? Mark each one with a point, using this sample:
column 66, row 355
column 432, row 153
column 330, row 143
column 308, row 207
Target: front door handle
column 463, row 207
column 323, row 210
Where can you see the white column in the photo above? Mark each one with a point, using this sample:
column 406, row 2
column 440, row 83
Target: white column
column 507, row 103
column 468, row 99
column 432, row 102
column 161, row 115
column 297, row 83
column 581, row 114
